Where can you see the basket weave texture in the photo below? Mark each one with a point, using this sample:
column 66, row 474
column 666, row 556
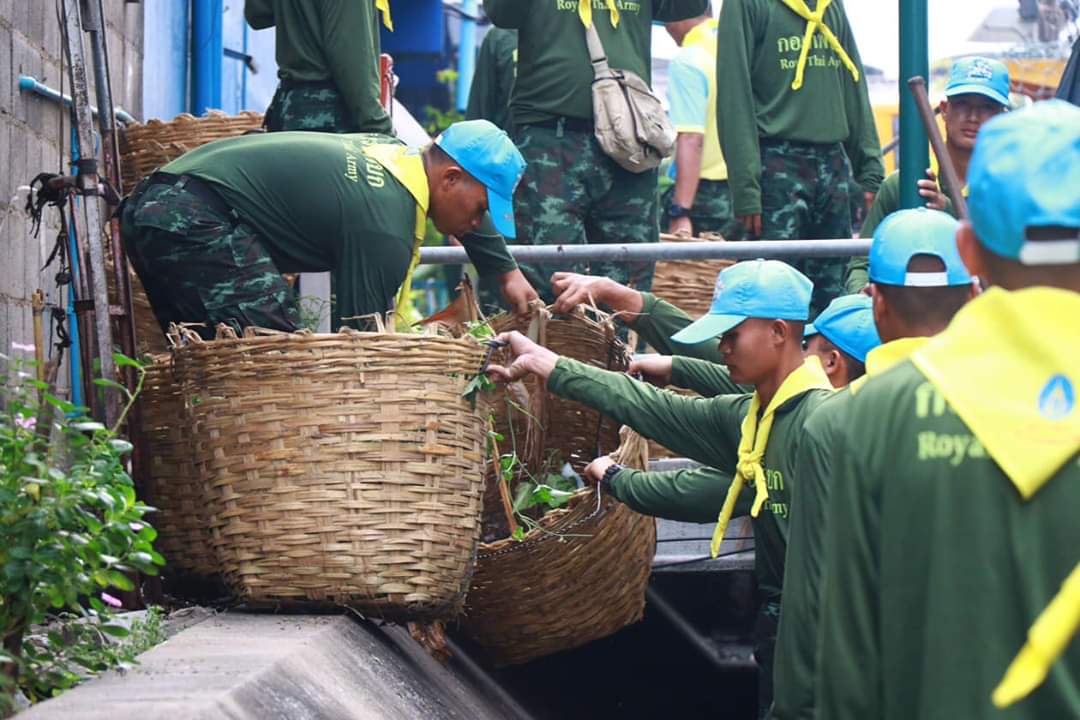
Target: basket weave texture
column 688, row 284
column 580, row 577
column 169, row 477
column 144, row 147
column 582, row 574
column 342, row 469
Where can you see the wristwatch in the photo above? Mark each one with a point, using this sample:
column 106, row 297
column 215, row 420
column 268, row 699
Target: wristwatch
column 677, row 211
column 609, row 475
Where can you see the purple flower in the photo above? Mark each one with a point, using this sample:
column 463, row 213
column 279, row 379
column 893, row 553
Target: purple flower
column 26, row 423
column 25, row 347
column 110, row 600
column 136, row 526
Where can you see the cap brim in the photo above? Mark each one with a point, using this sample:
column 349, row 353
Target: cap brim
column 502, row 213
column 810, row 330
column 706, row 328
column 977, row 90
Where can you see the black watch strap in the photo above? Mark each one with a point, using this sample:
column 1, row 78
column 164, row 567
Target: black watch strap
column 677, row 211
column 609, row 475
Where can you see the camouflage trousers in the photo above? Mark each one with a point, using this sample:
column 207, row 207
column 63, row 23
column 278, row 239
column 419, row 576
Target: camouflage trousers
column 805, row 195
column 319, row 107
column 572, row 193
column 712, row 211
column 200, row 263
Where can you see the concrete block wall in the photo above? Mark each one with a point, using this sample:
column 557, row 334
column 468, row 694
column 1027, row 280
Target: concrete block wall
column 35, row 137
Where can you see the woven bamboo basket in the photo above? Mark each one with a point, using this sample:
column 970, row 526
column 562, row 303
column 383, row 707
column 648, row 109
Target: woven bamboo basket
column 578, row 433
column 340, row 469
column 169, row 476
column 579, row 577
column 146, row 147
column 688, row 284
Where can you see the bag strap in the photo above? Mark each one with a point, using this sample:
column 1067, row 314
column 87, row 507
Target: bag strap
column 596, row 52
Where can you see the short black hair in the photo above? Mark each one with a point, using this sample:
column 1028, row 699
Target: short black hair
column 855, row 368
column 929, row 307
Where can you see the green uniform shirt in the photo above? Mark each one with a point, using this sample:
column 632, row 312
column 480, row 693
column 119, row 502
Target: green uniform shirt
column 493, row 81
column 320, row 204
column 554, row 75
column 328, row 40
column 758, row 48
column 886, row 202
column 796, row 642
column 706, row 430
column 936, row 568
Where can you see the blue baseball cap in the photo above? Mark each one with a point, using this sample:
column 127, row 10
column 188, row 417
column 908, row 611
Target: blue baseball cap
column 848, row 323
column 1025, row 174
column 981, row 76
column 487, row 153
column 919, row 231
column 755, row 288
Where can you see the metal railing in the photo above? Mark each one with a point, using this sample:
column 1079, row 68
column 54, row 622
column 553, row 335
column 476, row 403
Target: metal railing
column 745, row 250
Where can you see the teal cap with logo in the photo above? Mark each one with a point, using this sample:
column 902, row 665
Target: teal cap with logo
column 767, row 289
column 487, row 153
column 1024, row 183
column 980, row 76
column 848, row 323
column 919, row 231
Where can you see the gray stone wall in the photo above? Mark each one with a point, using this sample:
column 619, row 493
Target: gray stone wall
column 35, row 137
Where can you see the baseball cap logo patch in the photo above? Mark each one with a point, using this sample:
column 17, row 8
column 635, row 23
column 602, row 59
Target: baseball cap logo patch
column 1057, row 399
column 980, row 70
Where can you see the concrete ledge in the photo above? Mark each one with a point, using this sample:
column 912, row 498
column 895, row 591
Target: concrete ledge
column 239, row 665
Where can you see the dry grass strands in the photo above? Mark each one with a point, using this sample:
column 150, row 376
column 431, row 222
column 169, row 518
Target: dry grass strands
column 341, row 469
column 146, row 147
column 688, row 284
column 579, row 577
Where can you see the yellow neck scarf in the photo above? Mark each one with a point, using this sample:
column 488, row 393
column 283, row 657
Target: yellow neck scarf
column 407, row 166
column 755, row 439
column 885, row 356
column 814, row 23
column 1030, row 425
column 1046, row 642
column 383, row 6
column 702, row 35
column 585, row 12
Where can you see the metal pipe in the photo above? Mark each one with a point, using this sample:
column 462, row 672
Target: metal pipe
column 466, row 54
column 88, row 189
column 207, row 52
column 30, row 84
column 570, row 254
column 914, row 60
column 658, row 602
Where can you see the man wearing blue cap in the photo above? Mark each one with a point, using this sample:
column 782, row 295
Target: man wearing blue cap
column 919, row 282
column 841, row 336
column 978, row 90
column 758, row 312
column 952, row 545
column 210, row 234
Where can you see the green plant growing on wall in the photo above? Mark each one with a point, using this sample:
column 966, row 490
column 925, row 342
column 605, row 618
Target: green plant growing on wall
column 438, row 119
column 72, row 533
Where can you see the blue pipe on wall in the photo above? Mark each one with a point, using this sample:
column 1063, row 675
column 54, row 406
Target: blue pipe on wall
column 75, row 351
column 207, row 51
column 466, row 54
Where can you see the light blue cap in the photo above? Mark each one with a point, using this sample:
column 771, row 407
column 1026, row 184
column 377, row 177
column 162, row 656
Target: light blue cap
column 848, row 323
column 486, row 152
column 767, row 289
column 981, row 76
column 1025, row 173
column 920, row 231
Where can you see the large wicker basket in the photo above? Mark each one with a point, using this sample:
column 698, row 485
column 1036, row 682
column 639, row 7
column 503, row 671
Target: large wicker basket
column 146, row 147
column 340, row 469
column 593, row 547
column 579, row 577
column 688, row 284
column 169, row 478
